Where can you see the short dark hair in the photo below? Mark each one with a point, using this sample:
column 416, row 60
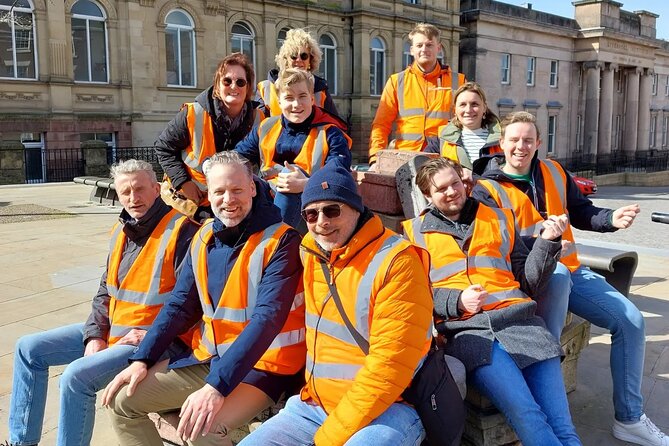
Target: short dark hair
column 241, row 60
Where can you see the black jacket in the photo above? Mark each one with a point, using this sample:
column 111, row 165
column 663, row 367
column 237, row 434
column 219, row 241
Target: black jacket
column 176, row 136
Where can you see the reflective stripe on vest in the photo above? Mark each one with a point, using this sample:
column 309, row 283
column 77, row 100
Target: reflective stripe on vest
column 192, row 160
column 269, row 133
column 503, row 200
column 332, row 370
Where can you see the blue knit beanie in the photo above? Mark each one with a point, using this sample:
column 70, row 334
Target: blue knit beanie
column 332, row 183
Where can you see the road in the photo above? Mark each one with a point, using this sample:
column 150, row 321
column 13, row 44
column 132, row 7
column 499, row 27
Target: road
column 644, row 235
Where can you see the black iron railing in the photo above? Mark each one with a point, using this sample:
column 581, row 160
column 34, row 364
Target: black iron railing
column 588, row 164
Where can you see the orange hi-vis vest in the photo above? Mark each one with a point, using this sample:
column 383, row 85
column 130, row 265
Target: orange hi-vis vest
column 136, row 301
column 311, row 157
column 450, row 150
column 333, row 356
column 487, row 262
column 269, row 95
column 220, row 326
column 202, row 145
column 528, row 218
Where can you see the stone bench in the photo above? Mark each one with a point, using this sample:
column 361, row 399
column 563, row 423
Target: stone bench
column 103, row 191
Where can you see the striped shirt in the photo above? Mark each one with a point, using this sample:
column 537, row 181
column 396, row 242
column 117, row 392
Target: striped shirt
column 473, row 141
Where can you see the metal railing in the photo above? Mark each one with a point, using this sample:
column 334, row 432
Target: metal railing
column 588, row 164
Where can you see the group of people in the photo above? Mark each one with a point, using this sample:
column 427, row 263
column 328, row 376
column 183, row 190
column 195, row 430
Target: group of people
column 274, row 283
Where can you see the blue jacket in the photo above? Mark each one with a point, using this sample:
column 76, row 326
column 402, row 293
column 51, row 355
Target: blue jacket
column 275, row 297
column 292, row 139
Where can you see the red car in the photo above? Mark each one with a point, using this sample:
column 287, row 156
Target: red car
column 586, row 186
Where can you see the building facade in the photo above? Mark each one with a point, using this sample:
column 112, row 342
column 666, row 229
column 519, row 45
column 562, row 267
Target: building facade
column 119, row 70
column 598, row 83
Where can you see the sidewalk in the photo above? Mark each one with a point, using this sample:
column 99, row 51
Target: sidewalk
column 50, row 270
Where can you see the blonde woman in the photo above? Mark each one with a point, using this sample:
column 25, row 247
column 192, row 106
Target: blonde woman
column 299, row 50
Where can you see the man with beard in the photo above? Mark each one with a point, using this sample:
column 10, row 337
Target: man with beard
column 240, row 281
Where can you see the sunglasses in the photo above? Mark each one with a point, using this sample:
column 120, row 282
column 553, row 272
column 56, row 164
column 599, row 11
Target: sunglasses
column 330, row 211
column 241, row 83
column 302, row 56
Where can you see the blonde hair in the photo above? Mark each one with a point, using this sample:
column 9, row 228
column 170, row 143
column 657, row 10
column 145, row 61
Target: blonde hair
column 519, row 116
column 292, row 76
column 428, row 30
column 296, row 39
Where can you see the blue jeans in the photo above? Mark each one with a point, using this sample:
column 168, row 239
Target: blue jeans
column 80, row 381
column 298, row 422
column 532, row 399
column 593, row 299
column 552, row 305
column 290, row 206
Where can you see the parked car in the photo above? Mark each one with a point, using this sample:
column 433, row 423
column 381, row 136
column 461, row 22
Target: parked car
column 587, row 187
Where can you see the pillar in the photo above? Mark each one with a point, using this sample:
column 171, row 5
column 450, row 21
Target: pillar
column 606, row 110
column 631, row 110
column 645, row 86
column 592, row 76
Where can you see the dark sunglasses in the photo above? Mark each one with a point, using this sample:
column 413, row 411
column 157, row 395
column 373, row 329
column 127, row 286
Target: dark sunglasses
column 330, row 211
column 303, row 56
column 241, row 83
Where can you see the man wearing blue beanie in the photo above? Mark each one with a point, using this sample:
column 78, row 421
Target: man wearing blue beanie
column 368, row 315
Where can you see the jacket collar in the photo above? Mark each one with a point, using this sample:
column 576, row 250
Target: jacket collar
column 139, row 229
column 438, row 71
column 435, row 221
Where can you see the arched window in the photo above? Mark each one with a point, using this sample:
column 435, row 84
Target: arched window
column 329, row 62
column 89, row 42
column 242, row 40
column 377, row 69
column 281, row 37
column 407, row 58
column 180, row 49
column 18, row 58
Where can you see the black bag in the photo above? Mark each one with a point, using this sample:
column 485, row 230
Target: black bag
column 435, row 396
column 433, row 391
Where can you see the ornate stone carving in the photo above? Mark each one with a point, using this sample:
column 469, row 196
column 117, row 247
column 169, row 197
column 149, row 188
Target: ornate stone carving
column 147, row 3
column 20, row 96
column 95, row 98
column 213, row 7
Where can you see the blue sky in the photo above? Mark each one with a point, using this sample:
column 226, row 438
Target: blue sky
column 566, row 9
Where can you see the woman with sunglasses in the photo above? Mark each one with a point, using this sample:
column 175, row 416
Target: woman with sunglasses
column 216, row 121
column 299, row 50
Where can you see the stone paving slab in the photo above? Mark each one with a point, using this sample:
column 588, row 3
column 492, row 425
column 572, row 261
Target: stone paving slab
column 49, row 271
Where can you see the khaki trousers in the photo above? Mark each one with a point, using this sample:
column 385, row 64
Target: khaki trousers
column 164, row 390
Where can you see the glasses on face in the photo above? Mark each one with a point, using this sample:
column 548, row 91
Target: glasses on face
column 330, row 211
column 302, row 56
column 241, row 83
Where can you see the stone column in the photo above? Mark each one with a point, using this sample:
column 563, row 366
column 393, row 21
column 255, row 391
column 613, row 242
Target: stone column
column 606, row 110
column 643, row 136
column 95, row 158
column 631, row 110
column 12, row 162
column 591, row 105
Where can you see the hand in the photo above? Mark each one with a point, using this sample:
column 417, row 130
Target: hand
column 624, row 217
column 94, row 345
column 566, row 244
column 133, row 374
column 198, row 412
column 190, row 190
column 554, row 226
column 133, row 337
column 472, row 298
column 291, row 182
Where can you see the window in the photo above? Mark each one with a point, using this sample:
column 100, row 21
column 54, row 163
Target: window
column 17, row 40
column 552, row 129
column 243, row 41
column 89, row 42
column 580, row 76
column 653, row 127
column 531, row 65
column 616, row 133
column 665, row 125
column 281, row 37
column 506, row 68
column 553, row 77
column 666, row 86
column 579, row 123
column 654, row 85
column 377, row 69
column 407, row 58
column 108, row 138
column 329, row 61
column 620, row 78
column 180, row 49
column 412, row 2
